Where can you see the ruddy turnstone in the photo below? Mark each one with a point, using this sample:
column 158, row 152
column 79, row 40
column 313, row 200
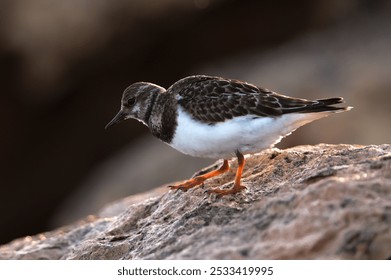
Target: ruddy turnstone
column 219, row 118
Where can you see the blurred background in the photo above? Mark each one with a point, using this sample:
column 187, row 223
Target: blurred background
column 65, row 63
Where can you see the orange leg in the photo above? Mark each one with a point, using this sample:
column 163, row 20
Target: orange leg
column 198, row 180
column 237, row 187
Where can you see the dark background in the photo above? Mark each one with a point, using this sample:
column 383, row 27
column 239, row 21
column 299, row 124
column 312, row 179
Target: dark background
column 64, row 65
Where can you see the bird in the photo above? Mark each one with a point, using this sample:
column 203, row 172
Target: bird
column 219, row 118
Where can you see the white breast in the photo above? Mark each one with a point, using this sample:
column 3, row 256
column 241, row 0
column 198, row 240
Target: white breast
column 247, row 134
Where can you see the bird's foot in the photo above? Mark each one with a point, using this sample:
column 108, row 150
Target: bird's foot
column 201, row 177
column 184, row 186
column 221, row 192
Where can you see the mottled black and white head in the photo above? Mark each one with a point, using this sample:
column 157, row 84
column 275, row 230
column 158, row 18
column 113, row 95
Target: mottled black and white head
column 137, row 103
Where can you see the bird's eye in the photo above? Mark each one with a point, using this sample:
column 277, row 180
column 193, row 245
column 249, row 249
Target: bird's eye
column 131, row 101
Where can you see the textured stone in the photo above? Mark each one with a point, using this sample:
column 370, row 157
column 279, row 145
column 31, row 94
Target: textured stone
column 307, row 202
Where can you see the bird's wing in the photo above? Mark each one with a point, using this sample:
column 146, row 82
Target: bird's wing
column 213, row 99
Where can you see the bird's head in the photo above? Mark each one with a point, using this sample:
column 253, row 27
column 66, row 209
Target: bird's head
column 137, row 101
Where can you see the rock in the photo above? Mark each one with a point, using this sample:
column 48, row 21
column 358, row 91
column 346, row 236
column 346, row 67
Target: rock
column 307, row 202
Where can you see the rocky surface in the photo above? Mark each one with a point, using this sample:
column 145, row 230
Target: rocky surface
column 307, row 202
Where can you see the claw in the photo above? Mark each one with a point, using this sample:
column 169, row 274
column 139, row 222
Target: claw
column 175, row 188
column 184, row 186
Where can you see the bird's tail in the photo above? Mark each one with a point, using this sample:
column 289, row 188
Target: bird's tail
column 320, row 105
column 327, row 104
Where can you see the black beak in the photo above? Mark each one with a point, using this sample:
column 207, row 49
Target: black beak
column 118, row 118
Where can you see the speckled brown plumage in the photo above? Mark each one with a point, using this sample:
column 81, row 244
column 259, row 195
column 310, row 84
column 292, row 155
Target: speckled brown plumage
column 214, row 99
